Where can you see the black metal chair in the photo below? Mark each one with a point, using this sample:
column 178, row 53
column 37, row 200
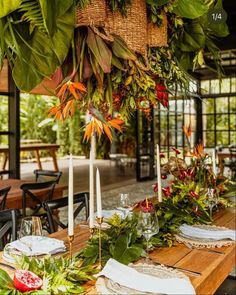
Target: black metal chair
column 28, row 193
column 47, row 175
column 82, row 199
column 8, row 226
column 3, row 197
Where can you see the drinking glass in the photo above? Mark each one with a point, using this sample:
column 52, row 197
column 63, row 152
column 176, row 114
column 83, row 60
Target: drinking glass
column 31, row 226
column 212, row 200
column 148, row 226
column 124, row 204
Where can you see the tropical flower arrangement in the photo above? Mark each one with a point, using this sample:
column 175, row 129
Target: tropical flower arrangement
column 97, row 71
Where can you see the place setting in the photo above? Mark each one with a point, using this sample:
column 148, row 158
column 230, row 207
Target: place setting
column 32, row 242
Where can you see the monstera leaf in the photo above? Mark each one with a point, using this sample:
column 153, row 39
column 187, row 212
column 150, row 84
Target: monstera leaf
column 190, row 9
column 35, row 38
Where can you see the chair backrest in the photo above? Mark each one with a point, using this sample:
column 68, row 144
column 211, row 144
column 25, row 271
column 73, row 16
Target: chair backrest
column 8, row 226
column 29, row 190
column 82, row 199
column 3, row 197
column 46, row 175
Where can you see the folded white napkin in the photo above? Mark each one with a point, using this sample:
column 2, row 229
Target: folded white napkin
column 38, row 245
column 214, row 233
column 131, row 278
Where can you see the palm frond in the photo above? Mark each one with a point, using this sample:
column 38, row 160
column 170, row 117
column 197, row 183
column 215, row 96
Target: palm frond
column 32, row 13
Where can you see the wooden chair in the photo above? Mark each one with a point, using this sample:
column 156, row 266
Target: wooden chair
column 81, row 199
column 46, row 175
column 8, row 226
column 3, row 196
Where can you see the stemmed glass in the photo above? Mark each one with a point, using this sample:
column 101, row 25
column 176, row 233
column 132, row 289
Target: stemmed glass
column 148, row 226
column 212, row 200
column 124, row 204
column 30, row 226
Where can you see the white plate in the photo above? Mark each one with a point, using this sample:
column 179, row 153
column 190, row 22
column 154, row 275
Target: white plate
column 33, row 246
column 106, row 286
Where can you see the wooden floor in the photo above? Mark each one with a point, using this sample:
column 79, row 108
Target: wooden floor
column 111, row 175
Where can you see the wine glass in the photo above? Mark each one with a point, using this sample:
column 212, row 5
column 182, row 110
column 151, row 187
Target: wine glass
column 212, row 200
column 124, row 204
column 31, row 226
column 148, row 226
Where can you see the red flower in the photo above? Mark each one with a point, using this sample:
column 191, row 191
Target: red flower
column 182, row 175
column 163, row 176
column 166, row 191
column 176, row 151
column 190, row 172
column 155, row 188
column 146, row 206
column 161, row 93
column 194, row 194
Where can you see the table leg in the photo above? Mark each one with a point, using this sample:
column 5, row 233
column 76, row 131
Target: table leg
column 4, row 162
column 37, row 156
column 54, row 158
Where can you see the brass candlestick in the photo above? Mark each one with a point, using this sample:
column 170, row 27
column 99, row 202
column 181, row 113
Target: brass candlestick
column 91, row 229
column 70, row 239
column 99, row 221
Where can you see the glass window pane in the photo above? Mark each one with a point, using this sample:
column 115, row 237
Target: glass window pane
column 205, row 87
column 179, row 105
column 222, row 122
column 208, row 122
column 233, row 84
column 164, row 138
column 179, row 138
column 180, row 122
column 172, row 105
column 163, row 121
column 232, row 101
column 172, row 122
column 232, row 122
column 214, row 86
column 3, row 115
column 208, row 139
column 172, row 138
column 225, row 85
column 233, row 137
column 208, row 106
column 221, row 105
column 222, row 138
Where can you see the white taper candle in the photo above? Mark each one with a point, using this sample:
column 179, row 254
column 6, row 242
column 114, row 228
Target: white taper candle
column 70, row 199
column 91, row 185
column 214, row 160
column 159, row 174
column 98, row 194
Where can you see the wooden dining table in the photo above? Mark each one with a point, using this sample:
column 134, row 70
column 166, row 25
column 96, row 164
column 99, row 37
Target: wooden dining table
column 14, row 197
column 207, row 268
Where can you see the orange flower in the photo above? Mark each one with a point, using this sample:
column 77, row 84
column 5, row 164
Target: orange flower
column 198, row 151
column 67, row 94
column 187, row 131
column 95, row 125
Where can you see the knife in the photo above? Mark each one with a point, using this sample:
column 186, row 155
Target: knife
column 196, row 273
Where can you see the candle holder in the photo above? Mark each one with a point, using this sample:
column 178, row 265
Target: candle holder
column 91, row 230
column 99, row 221
column 70, row 239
